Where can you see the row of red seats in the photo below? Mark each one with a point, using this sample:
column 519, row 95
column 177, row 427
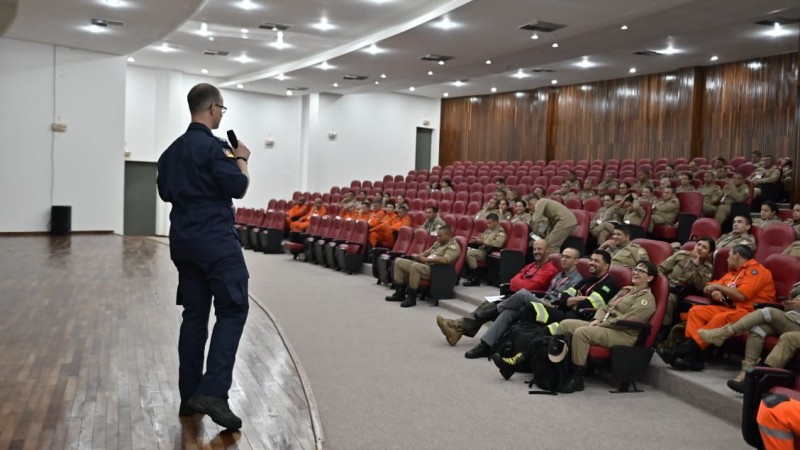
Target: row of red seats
column 337, row 243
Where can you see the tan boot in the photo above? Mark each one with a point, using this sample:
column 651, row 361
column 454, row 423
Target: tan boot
column 737, row 382
column 716, row 336
column 449, row 329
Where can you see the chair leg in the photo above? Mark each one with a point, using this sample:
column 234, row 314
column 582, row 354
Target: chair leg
column 624, row 387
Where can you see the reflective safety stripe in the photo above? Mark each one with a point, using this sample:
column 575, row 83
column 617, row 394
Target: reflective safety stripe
column 767, row 315
column 597, row 300
column 552, row 328
column 777, row 434
column 571, row 292
column 541, row 312
column 759, row 331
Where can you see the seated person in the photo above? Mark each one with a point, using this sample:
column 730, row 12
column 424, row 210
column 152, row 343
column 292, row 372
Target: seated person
column 588, row 190
column 503, row 212
column 688, row 272
column 301, row 224
column 669, row 173
column 560, row 220
column 432, row 220
column 647, row 194
column 623, row 252
column 735, row 191
column 488, row 208
column 507, row 311
column 608, row 184
column 759, row 324
column 447, row 185
column 685, row 183
column 362, row 213
column 623, row 191
column 492, row 239
column 643, row 180
column 769, row 174
column 535, row 276
column 739, row 235
column 794, row 221
column 769, row 214
column 693, row 168
column 665, row 211
column 631, row 212
column 380, row 224
column 297, row 212
column 606, row 213
column 521, row 213
column 747, row 282
column 663, row 183
column 779, row 421
column 500, row 184
column 569, row 184
column 712, row 194
column 410, row 271
column 635, row 302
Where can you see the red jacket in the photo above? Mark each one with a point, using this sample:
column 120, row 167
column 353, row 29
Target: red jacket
column 534, row 278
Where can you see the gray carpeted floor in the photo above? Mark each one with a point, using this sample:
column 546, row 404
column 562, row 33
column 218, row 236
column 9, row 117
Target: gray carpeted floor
column 385, row 378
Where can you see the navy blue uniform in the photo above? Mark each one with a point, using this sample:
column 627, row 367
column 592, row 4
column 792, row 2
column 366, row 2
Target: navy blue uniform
column 199, row 176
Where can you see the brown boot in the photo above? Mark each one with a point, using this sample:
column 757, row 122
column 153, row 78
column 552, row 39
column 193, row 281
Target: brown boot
column 716, row 336
column 449, row 329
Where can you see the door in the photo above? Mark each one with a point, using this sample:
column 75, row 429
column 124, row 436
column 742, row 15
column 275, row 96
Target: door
column 140, row 198
column 423, row 161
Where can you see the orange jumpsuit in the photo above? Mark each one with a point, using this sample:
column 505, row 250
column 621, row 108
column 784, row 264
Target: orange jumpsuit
column 780, row 424
column 382, row 232
column 296, row 212
column 751, row 279
column 300, row 225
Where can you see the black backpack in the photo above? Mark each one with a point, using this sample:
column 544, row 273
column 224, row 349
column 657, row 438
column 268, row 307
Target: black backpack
column 517, row 339
column 547, row 375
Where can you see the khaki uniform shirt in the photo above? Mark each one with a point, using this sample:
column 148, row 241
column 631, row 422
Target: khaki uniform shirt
column 627, row 305
column 450, row 251
column 765, row 223
column 493, row 237
column 633, row 215
column 688, row 188
column 793, row 249
column 584, row 195
column 730, row 240
column 679, row 269
column 553, row 212
column 795, row 225
column 629, row 255
column 569, row 185
column 711, row 194
column 605, row 186
column 485, row 212
column 665, row 211
column 524, row 217
column 731, row 193
column 762, row 175
column 639, row 185
column 433, row 225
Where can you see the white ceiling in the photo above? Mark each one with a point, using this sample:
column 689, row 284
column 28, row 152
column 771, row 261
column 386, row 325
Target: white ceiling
column 404, row 30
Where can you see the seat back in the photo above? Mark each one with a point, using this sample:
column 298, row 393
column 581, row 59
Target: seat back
column 518, row 238
column 583, row 267
column 417, row 218
column 451, row 221
column 658, row 251
column 691, row 203
column 313, row 225
column 418, row 242
column 720, row 262
column 705, row 227
column 785, row 270
column 478, row 227
column 416, row 204
column 473, row 208
column 278, row 221
column 620, row 275
column 346, row 232
column 404, row 237
column 464, row 227
column 660, row 289
column 774, row 239
column 459, row 208
column 592, row 204
column 462, row 244
column 336, row 227
column 445, row 207
column 573, row 203
column 324, row 226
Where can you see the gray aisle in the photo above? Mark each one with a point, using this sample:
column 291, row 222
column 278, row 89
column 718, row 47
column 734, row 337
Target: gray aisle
column 385, row 378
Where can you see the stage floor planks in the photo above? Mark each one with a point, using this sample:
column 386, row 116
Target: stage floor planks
column 88, row 355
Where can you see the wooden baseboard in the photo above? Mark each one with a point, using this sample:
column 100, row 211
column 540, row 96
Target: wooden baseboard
column 47, row 233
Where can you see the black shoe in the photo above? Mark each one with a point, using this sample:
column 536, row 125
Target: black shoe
column 473, row 282
column 688, row 363
column 482, row 350
column 574, row 383
column 398, row 296
column 185, row 410
column 737, row 386
column 666, row 355
column 411, row 299
column 216, row 408
column 507, row 366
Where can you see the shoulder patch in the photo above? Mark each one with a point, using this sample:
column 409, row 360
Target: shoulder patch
column 644, row 302
column 606, row 288
column 228, row 153
column 753, row 272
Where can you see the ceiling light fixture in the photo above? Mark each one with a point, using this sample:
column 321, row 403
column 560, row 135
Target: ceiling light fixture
column 445, row 24
column 281, row 77
column 324, row 25
column 95, row 29
column 247, row 5
column 585, row 63
column 586, row 87
column 632, row 70
column 244, row 59
column 520, row 94
column 670, row 50
column 430, row 72
column 488, row 61
column 289, row 92
column 325, row 66
column 373, row 49
column 441, row 63
column 335, row 84
column 240, row 86
column 131, row 59
column 204, row 70
column 211, row 38
column 412, row 89
column 670, row 77
column 113, row 3
column 714, row 58
column 377, row 82
column 493, row 89
column 383, row 75
column 203, row 29
column 555, row 44
column 777, row 31
column 445, row 95
column 279, row 44
column 165, row 48
column 458, row 83
column 554, row 82
column 535, row 36
column 244, row 30
column 755, row 65
column 624, row 27
column 520, row 74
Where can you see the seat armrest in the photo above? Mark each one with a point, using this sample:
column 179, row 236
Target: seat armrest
column 768, row 305
column 697, row 300
column 395, row 254
column 644, row 330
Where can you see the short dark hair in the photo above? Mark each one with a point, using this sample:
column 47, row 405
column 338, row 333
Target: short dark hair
column 771, row 205
column 445, row 229
column 746, row 217
column 625, row 229
column 403, row 207
column 389, row 202
column 492, row 216
column 500, row 180
column 575, row 250
column 201, row 96
column 603, row 254
column 433, row 207
column 652, row 270
column 711, row 244
column 743, row 250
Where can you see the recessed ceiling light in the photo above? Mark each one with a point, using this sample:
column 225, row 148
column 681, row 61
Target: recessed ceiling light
column 494, row 89
column 244, row 30
column 373, row 49
column 777, row 31
column 520, row 74
column 632, row 70
column 131, row 59
column 113, row 3
column 203, row 29
column 244, row 59
column 289, row 92
column 445, row 95
column 240, row 86
column 445, row 24
column 203, row 70
column 279, row 44
column 412, row 89
column 585, row 63
column 624, row 27
column 324, row 66
column 535, row 36
column 211, row 38
column 586, row 87
column 714, row 58
column 458, row 83
column 281, row 77
column 670, row 50
column 554, row 82
column 488, row 61
column 247, row 5
column 754, row 65
column 335, row 84
column 555, row 44
column 377, row 82
column 441, row 63
column 383, row 75
column 324, row 25
column 165, row 48
column 430, row 72
column 95, row 29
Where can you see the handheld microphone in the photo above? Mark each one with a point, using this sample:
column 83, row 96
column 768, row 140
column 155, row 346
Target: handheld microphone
column 232, row 139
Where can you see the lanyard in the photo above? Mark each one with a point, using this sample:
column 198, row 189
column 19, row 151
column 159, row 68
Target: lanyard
column 617, row 298
column 528, row 274
column 591, row 288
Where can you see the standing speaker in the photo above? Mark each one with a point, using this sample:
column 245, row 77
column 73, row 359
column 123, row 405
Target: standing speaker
column 60, row 220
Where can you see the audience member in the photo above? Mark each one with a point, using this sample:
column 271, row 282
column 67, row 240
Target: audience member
column 688, row 272
column 623, row 252
column 665, row 211
column 490, row 240
column 769, row 215
column 560, row 220
column 739, row 235
column 712, row 194
column 432, row 220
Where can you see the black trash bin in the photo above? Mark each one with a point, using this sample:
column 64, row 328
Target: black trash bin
column 60, row 220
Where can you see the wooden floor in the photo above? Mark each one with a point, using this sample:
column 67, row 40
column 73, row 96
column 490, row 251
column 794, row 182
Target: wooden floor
column 88, row 355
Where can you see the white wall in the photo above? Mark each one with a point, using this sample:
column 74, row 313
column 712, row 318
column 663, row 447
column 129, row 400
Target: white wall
column 42, row 83
column 376, row 135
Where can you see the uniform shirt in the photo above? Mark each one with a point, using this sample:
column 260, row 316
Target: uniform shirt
column 599, row 290
column 199, row 176
column 795, row 225
column 666, row 211
column 681, row 270
column 687, row 188
column 605, row 186
column 297, row 211
column 637, row 306
column 504, row 215
column 634, row 215
column 628, row 255
column 561, row 282
column 733, row 194
column 712, row 194
column 754, row 281
column 569, row 185
column 534, row 277
column 524, row 217
column 793, row 249
column 585, row 195
column 433, row 225
column 553, row 212
column 450, row 251
column 493, row 238
column 398, row 222
column 765, row 223
column 641, row 184
column 730, row 240
column 763, row 176
column 485, row 212
column 315, row 212
column 605, row 214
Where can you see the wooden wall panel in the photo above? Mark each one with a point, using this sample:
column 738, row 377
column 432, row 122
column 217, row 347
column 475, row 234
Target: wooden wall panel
column 494, row 127
column 751, row 105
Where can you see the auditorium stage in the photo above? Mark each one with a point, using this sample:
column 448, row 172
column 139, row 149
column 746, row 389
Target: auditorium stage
column 88, row 355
